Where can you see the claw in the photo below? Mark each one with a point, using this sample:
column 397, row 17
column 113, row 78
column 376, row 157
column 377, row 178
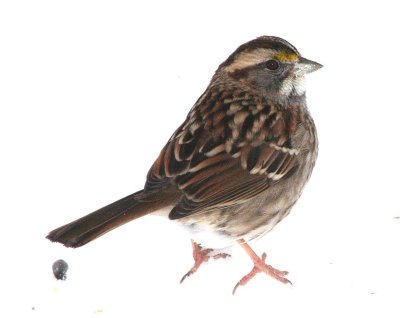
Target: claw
column 201, row 256
column 260, row 266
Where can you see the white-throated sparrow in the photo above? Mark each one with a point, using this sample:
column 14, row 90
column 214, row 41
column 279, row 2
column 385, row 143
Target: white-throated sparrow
column 236, row 166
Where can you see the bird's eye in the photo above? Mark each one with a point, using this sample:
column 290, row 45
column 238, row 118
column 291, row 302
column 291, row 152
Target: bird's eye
column 272, row 65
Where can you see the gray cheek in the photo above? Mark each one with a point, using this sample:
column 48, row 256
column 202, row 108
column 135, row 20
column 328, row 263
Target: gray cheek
column 263, row 79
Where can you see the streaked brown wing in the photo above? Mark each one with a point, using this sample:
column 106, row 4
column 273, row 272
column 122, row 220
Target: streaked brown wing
column 230, row 148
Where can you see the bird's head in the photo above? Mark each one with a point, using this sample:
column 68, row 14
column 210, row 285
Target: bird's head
column 270, row 64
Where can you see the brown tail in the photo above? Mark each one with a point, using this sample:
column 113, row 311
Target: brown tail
column 93, row 225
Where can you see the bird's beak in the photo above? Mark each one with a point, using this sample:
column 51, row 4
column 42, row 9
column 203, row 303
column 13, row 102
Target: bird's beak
column 304, row 66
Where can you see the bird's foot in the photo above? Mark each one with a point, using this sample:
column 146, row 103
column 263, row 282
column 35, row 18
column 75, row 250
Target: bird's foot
column 200, row 256
column 260, row 266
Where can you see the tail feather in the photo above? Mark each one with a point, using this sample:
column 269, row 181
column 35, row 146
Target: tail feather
column 97, row 223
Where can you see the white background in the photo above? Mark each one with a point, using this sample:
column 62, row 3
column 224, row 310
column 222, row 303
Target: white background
column 91, row 90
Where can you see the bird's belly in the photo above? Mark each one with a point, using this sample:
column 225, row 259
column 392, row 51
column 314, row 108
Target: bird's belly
column 220, row 228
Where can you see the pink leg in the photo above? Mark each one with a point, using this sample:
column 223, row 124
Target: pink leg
column 201, row 256
column 259, row 266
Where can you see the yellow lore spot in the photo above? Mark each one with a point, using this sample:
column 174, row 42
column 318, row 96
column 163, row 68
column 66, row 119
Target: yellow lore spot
column 286, row 56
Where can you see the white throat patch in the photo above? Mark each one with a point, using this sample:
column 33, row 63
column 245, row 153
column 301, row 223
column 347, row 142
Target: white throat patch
column 295, row 85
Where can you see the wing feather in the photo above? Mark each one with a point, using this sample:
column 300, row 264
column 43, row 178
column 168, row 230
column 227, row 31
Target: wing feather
column 231, row 147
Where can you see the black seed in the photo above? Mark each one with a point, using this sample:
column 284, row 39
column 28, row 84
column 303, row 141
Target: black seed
column 60, row 269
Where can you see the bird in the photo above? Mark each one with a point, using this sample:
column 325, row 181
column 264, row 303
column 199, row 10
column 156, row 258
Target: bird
column 235, row 167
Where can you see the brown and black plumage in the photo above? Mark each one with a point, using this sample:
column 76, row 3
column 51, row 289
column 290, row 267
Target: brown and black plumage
column 237, row 164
